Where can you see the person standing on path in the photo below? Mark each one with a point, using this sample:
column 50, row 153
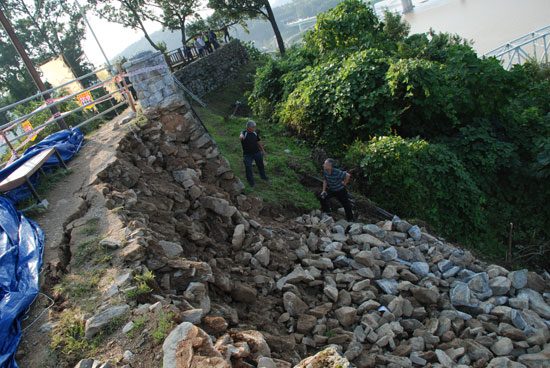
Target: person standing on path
column 334, row 185
column 250, row 140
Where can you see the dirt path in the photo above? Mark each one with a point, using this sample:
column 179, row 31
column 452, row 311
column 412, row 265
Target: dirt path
column 67, row 202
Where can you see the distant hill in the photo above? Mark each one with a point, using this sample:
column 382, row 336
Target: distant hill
column 172, row 39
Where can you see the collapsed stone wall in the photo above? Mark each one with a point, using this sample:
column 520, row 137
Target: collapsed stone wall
column 214, row 70
column 253, row 293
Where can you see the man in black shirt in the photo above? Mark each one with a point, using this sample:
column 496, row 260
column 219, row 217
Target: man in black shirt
column 250, row 140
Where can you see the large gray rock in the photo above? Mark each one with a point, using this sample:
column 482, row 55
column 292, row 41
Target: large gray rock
column 171, row 249
column 500, row 285
column 367, row 239
column 537, row 360
column 134, row 251
column 374, row 230
column 460, row 295
column 425, row 295
column 502, row 362
column 443, row 358
column 297, row 275
column 238, row 237
column 536, row 302
column 346, row 315
column 293, row 304
column 420, row 268
column 97, row 322
column 263, row 256
column 518, row 278
column 218, row 206
column 503, row 346
column 365, row 258
column 182, row 176
column 387, row 286
column 389, row 254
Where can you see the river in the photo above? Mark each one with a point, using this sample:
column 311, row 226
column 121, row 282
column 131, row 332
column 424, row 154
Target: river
column 489, row 23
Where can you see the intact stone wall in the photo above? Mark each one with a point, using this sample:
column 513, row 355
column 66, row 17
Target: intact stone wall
column 214, row 70
column 154, row 84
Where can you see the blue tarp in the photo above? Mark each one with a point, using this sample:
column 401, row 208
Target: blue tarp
column 67, row 142
column 21, row 249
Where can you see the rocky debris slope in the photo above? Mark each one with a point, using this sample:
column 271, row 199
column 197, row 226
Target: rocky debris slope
column 246, row 292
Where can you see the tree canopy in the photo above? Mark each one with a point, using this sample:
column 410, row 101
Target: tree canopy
column 432, row 130
column 249, row 9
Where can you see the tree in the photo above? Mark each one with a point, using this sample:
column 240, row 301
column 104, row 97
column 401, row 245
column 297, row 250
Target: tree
column 129, row 13
column 176, row 13
column 46, row 29
column 237, row 9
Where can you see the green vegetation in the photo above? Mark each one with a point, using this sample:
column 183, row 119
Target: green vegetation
column 68, row 337
column 164, row 325
column 91, row 226
column 435, row 131
column 286, row 169
column 143, row 289
column 90, row 251
column 139, row 325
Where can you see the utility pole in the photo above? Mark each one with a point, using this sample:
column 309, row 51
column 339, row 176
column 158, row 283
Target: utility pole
column 34, row 74
column 93, row 33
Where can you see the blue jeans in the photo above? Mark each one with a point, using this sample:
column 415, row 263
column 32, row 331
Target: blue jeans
column 259, row 159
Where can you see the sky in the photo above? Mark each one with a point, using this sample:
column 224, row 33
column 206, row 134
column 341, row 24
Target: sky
column 114, row 38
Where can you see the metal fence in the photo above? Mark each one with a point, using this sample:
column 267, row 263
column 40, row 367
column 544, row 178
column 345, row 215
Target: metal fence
column 532, row 46
column 120, row 90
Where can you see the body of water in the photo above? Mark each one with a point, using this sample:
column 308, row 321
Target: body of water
column 489, row 23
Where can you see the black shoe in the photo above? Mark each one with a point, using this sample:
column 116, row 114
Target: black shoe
column 268, row 180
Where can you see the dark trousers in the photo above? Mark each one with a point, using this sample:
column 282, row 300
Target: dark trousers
column 259, row 159
column 342, row 196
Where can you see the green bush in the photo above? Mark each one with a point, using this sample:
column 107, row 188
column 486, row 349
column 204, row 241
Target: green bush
column 414, row 178
column 342, row 100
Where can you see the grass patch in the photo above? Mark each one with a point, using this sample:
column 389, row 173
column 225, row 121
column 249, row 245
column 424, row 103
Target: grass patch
column 80, row 285
column 91, row 227
column 139, row 325
column 68, row 337
column 143, row 290
column 164, row 325
column 288, row 158
column 90, row 251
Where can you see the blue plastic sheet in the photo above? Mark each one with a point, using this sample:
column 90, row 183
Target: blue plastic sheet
column 21, row 250
column 67, row 142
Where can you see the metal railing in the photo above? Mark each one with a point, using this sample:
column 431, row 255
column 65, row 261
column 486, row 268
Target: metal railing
column 532, row 46
column 13, row 124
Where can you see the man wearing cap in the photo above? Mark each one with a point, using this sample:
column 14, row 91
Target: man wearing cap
column 334, row 185
column 252, row 151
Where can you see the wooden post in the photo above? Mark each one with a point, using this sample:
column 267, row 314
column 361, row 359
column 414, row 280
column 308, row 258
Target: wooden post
column 126, row 91
column 14, row 152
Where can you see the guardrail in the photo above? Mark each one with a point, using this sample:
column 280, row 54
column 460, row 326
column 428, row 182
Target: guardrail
column 121, row 90
column 532, row 46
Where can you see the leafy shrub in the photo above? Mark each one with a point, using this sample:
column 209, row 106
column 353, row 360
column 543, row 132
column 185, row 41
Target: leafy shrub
column 351, row 25
column 342, row 100
column 414, row 178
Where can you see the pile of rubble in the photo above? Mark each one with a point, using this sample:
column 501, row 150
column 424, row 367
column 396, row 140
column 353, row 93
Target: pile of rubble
column 247, row 291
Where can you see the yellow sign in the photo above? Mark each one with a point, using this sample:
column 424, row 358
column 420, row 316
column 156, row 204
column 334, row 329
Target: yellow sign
column 57, row 73
column 85, row 98
column 27, row 127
